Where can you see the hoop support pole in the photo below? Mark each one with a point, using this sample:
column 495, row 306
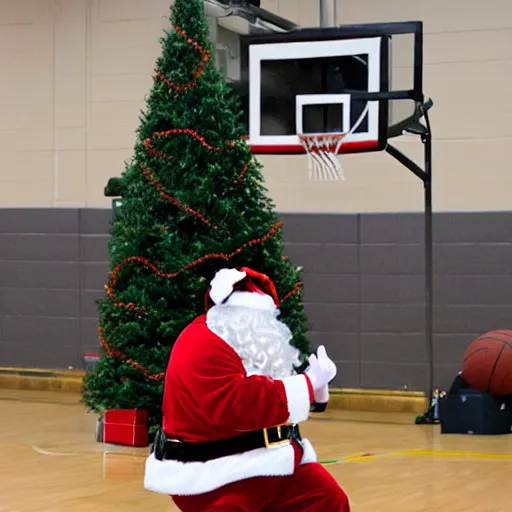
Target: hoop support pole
column 425, row 176
column 429, row 280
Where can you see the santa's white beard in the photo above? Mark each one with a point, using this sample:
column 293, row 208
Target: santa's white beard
column 258, row 337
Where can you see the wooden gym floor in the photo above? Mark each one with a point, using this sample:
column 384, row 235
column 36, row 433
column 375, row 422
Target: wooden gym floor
column 49, row 462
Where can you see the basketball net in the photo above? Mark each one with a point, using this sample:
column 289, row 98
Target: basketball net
column 323, row 150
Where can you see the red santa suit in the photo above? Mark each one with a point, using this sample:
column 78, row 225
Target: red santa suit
column 230, row 393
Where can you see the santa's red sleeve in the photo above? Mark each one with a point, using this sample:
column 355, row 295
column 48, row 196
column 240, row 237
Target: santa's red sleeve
column 217, row 382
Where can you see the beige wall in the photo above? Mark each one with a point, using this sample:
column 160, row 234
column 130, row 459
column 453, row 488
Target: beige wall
column 75, row 72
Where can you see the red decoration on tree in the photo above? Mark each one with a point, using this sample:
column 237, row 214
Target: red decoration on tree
column 184, row 131
column 175, row 202
column 196, row 73
column 240, row 178
column 152, row 266
column 116, row 353
column 296, row 289
column 154, row 152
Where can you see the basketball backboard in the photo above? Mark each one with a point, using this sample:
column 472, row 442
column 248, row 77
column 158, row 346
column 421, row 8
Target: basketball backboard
column 328, row 81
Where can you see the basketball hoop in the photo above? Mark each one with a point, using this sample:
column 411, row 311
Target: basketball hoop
column 323, row 150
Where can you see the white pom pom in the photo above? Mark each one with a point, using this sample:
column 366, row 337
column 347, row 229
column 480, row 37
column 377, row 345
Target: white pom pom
column 223, row 282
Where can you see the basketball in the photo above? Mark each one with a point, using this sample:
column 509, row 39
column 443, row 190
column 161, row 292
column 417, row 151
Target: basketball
column 487, row 365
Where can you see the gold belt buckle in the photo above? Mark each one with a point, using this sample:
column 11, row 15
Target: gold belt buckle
column 280, row 441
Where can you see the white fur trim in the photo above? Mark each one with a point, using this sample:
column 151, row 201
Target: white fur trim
column 297, row 395
column 185, row 479
column 251, row 300
column 309, row 455
column 223, row 282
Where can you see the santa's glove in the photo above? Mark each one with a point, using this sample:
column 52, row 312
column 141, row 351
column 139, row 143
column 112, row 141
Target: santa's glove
column 322, row 395
column 321, row 371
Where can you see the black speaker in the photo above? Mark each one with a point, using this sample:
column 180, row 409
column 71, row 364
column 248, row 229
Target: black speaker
column 466, row 411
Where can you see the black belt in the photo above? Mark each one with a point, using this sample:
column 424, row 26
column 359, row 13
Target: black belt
column 170, row 449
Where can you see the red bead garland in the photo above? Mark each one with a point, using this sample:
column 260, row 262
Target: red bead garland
column 175, row 202
column 154, row 152
column 240, row 178
column 196, row 73
column 184, row 131
column 296, row 289
column 152, row 266
column 116, row 353
column 148, row 143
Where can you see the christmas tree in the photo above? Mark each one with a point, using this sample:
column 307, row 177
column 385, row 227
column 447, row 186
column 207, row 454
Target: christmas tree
column 192, row 202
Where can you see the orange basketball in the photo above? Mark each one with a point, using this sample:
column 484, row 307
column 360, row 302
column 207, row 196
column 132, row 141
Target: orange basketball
column 487, row 365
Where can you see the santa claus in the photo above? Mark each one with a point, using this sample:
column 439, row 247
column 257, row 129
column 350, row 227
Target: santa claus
column 233, row 402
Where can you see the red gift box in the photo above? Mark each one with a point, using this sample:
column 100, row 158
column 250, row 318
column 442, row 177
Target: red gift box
column 126, row 426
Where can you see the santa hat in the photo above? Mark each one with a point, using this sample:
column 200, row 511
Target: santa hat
column 244, row 287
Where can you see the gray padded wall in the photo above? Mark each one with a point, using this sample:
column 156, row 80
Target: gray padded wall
column 363, row 275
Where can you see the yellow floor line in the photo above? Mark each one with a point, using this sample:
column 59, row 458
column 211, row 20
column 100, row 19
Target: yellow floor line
column 420, row 453
column 455, row 453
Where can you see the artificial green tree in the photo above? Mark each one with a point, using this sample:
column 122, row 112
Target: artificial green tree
column 192, row 202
